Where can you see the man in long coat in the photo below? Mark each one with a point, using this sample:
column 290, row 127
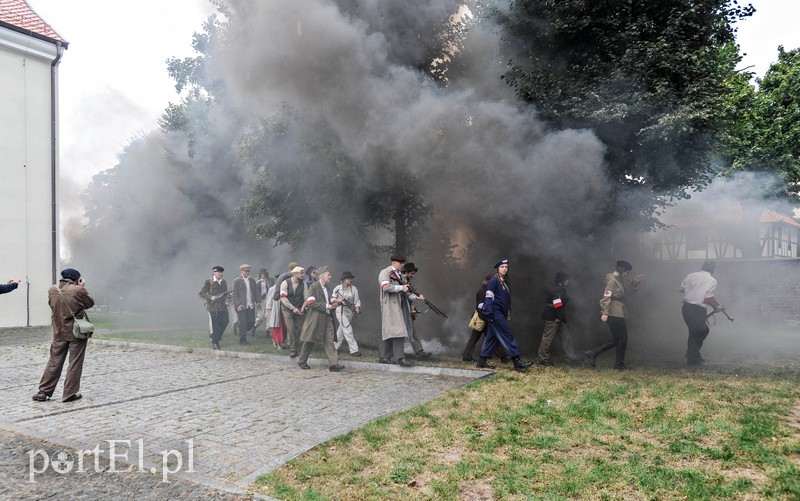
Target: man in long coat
column 318, row 325
column 395, row 313
column 66, row 299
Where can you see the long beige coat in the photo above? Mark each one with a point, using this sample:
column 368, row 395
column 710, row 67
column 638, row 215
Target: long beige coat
column 395, row 310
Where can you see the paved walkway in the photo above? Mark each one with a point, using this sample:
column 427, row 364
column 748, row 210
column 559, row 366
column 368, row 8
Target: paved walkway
column 212, row 418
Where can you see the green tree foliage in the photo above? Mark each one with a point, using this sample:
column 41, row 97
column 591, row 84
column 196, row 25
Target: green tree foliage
column 649, row 78
column 764, row 135
column 199, row 80
column 305, row 179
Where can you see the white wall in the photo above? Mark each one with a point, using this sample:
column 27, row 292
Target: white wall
column 25, row 176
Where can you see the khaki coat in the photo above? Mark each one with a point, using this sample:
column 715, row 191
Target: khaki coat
column 317, row 315
column 613, row 301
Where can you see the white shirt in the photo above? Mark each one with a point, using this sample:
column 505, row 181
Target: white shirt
column 249, row 292
column 697, row 287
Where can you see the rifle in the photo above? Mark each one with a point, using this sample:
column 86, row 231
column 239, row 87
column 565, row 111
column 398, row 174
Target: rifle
column 723, row 312
column 346, row 302
column 432, row 306
column 396, row 276
column 219, row 296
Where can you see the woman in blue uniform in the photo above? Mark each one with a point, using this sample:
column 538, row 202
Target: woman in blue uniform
column 496, row 308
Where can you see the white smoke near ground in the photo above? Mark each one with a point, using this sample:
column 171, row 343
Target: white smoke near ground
column 756, row 291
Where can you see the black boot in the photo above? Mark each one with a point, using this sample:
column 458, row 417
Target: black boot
column 520, row 365
column 591, row 357
column 483, row 365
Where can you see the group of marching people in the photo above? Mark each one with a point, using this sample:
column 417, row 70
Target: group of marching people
column 296, row 308
column 300, row 311
column 493, row 307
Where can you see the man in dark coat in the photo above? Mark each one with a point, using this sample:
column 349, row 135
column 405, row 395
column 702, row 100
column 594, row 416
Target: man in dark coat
column 409, row 271
column 555, row 322
column 245, row 297
column 67, row 299
column 215, row 292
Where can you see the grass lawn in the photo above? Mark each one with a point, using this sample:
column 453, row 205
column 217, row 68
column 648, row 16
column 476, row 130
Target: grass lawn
column 558, row 433
column 570, row 434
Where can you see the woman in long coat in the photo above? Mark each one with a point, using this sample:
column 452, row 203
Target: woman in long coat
column 496, row 308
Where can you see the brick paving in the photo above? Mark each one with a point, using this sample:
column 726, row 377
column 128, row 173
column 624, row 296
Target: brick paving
column 234, row 416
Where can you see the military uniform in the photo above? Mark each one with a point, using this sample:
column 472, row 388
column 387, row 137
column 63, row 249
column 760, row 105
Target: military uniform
column 612, row 304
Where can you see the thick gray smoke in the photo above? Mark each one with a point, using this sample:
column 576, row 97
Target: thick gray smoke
column 493, row 172
column 499, row 183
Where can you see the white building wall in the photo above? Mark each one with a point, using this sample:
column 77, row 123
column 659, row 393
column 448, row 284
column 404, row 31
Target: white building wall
column 25, row 175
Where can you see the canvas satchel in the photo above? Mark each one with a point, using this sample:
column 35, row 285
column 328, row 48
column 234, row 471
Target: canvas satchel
column 81, row 327
column 476, row 323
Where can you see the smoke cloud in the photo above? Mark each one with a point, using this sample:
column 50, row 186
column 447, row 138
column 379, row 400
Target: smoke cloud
column 499, row 182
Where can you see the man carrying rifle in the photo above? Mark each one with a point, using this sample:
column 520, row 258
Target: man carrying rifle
column 698, row 292
column 215, row 292
column 409, row 271
column 395, row 313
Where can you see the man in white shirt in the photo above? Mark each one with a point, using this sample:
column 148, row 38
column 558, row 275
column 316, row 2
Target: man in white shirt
column 245, row 297
column 698, row 293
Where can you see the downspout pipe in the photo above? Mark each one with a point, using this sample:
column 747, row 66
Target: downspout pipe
column 54, row 158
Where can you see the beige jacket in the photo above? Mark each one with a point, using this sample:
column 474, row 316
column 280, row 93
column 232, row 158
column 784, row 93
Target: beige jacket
column 613, row 301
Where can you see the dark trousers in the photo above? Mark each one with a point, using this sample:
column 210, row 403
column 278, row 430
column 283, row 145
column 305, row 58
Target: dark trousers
column 247, row 322
column 619, row 338
column 474, row 337
column 498, row 331
column 393, row 348
column 219, row 321
column 52, row 373
column 695, row 318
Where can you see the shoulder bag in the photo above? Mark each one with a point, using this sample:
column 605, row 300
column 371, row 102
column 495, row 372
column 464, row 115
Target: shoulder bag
column 82, row 327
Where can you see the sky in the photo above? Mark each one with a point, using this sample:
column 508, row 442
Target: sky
column 114, row 85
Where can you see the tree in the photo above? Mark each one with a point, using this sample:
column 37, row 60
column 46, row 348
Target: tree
column 305, row 179
column 764, row 135
column 649, row 78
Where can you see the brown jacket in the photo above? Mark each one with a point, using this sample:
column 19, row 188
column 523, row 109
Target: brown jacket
column 240, row 292
column 77, row 298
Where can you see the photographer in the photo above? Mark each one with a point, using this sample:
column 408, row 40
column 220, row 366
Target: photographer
column 66, row 298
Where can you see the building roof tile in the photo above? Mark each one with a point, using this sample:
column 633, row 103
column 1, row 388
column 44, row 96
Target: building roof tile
column 19, row 16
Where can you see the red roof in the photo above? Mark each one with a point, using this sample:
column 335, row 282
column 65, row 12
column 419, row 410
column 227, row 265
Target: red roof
column 692, row 216
column 18, row 15
column 770, row 216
